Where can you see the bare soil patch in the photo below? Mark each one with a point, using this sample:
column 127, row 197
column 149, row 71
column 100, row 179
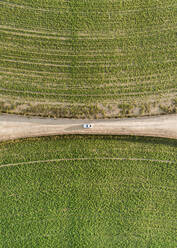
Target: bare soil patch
column 13, row 127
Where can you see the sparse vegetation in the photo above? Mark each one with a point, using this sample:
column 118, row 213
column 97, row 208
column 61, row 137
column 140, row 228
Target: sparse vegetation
column 86, row 111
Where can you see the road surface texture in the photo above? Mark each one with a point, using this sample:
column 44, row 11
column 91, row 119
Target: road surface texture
column 13, row 127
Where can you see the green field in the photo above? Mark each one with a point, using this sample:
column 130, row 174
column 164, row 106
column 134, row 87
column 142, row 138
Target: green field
column 88, row 192
column 88, row 58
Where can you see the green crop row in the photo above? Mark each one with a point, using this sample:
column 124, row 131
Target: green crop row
column 90, row 200
column 103, row 51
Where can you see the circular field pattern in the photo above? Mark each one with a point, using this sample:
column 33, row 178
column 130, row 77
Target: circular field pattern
column 88, row 191
column 86, row 58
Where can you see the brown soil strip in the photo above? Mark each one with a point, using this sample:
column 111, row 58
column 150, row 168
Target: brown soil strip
column 13, row 127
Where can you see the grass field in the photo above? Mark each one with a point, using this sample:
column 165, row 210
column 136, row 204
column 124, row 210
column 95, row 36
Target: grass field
column 71, row 192
column 93, row 58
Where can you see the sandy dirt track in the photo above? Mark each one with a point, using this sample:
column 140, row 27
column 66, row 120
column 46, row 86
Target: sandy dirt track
column 13, row 126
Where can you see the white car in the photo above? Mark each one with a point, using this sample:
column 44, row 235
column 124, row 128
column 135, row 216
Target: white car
column 87, row 125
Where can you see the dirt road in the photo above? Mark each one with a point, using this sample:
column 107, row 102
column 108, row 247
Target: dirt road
column 13, row 127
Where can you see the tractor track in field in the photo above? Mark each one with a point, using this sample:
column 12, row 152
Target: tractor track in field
column 80, row 159
column 59, row 36
column 145, row 93
column 14, row 127
column 96, row 9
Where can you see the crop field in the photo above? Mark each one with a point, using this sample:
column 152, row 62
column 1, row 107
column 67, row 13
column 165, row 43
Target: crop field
column 88, row 191
column 88, row 58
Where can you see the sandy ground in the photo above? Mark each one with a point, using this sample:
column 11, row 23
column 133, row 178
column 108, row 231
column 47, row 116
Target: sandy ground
column 13, row 127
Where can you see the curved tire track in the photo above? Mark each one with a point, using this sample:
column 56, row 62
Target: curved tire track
column 78, row 159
